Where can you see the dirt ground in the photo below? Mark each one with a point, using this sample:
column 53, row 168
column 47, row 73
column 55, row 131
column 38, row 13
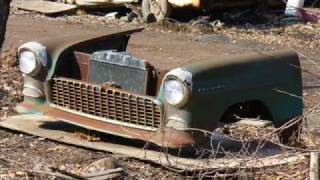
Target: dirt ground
column 21, row 154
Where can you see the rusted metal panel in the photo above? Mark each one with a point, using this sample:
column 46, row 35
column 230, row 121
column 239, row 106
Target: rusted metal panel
column 40, row 126
column 83, row 60
column 45, row 7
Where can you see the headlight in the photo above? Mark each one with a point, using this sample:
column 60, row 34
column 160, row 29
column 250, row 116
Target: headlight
column 175, row 92
column 27, row 62
column 32, row 57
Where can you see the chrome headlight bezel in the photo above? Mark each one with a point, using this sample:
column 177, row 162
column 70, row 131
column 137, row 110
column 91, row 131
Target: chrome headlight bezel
column 183, row 87
column 39, row 57
column 33, row 60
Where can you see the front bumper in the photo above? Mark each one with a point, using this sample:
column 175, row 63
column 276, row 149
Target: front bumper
column 167, row 137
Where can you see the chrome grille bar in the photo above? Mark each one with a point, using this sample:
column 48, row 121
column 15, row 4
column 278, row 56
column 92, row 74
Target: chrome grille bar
column 105, row 102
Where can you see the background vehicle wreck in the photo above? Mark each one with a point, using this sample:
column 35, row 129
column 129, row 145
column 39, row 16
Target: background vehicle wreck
column 151, row 10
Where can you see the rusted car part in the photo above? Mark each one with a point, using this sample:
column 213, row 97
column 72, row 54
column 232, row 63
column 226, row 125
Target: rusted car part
column 171, row 107
column 166, row 138
column 54, row 129
column 45, row 7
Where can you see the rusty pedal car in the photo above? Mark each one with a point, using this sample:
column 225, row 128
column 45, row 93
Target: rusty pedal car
column 90, row 81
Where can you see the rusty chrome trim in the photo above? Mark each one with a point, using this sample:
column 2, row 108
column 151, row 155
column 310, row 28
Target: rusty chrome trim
column 38, row 93
column 168, row 137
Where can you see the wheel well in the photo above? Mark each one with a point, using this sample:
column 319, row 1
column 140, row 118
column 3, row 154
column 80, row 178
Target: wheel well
column 247, row 109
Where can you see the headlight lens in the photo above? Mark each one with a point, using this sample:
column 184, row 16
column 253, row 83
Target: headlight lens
column 27, row 62
column 175, row 92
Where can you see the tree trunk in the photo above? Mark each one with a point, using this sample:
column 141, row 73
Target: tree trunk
column 4, row 13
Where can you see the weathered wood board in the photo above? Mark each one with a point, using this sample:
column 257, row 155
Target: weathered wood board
column 45, row 7
column 33, row 125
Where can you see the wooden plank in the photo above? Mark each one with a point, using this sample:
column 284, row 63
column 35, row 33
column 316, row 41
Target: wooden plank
column 45, row 7
column 33, row 125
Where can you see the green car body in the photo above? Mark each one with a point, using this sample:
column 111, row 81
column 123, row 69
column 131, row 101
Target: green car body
column 272, row 79
column 265, row 85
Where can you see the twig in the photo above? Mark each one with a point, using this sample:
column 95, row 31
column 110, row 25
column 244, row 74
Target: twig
column 300, row 173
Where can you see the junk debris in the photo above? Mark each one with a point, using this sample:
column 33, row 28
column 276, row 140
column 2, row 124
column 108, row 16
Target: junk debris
column 150, row 10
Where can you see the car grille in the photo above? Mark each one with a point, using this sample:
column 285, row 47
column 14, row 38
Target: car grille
column 105, row 102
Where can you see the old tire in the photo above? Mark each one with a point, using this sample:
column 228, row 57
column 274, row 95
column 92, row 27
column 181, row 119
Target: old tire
column 155, row 10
